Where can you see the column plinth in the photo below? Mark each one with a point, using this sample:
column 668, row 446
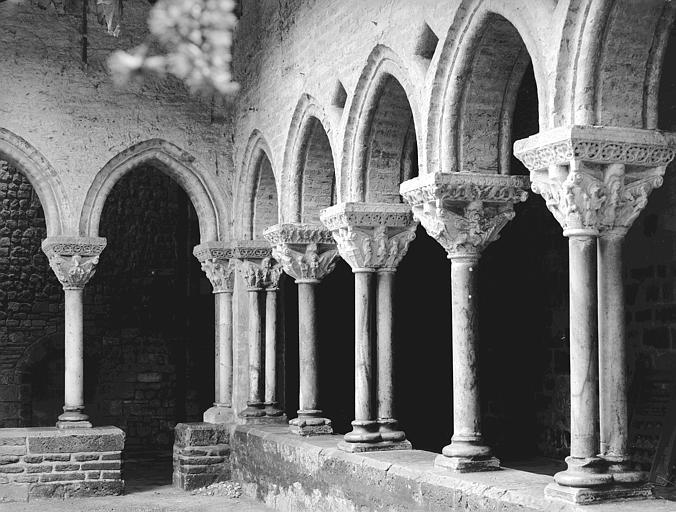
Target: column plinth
column 372, row 238
column 307, row 253
column 465, row 213
column 215, row 258
column 595, row 181
column 73, row 260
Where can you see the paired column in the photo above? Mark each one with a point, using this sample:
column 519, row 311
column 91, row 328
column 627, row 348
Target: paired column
column 595, row 182
column 73, row 260
column 261, row 275
column 372, row 238
column 307, row 253
column 465, row 213
column 219, row 268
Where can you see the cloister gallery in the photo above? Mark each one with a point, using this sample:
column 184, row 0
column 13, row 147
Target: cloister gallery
column 425, row 259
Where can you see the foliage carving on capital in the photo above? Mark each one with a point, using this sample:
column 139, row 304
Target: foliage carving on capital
column 576, row 202
column 307, row 265
column 253, row 275
column 375, row 248
column 626, row 199
column 221, row 274
column 73, row 259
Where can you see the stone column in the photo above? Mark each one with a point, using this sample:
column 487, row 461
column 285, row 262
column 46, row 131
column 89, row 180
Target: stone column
column 595, row 182
column 73, row 260
column 307, row 253
column 220, row 270
column 273, row 273
column 465, row 213
column 372, row 238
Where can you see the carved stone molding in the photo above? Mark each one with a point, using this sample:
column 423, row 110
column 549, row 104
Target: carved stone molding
column 306, row 252
column 373, row 236
column 73, row 259
column 598, row 145
column 217, row 264
column 464, row 212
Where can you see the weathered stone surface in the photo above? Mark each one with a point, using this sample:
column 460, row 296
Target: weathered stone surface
column 75, row 490
column 201, row 434
column 71, row 441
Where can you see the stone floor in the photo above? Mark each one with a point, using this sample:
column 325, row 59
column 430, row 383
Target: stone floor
column 148, row 489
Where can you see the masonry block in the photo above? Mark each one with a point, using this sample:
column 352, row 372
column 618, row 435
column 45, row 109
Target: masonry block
column 201, row 455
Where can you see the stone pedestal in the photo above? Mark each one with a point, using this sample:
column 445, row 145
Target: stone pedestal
column 307, row 253
column 465, row 213
column 215, row 258
column 43, row 462
column 201, row 455
column 73, row 260
column 372, row 238
column 595, row 182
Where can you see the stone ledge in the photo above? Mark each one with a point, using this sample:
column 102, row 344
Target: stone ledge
column 201, row 455
column 297, row 474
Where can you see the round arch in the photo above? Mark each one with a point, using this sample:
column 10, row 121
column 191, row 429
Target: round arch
column 256, row 166
column 177, row 164
column 43, row 178
column 382, row 67
column 618, row 61
column 308, row 143
column 510, row 26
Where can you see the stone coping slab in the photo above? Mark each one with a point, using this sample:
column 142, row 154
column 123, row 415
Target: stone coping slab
column 292, row 473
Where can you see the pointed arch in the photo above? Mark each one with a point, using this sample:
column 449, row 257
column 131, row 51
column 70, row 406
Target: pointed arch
column 383, row 68
column 43, row 178
column 309, row 150
column 510, row 27
column 179, row 165
column 257, row 179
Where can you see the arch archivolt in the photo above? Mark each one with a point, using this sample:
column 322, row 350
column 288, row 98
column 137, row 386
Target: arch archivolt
column 43, row 178
column 257, row 160
column 202, row 190
column 308, row 119
column 515, row 28
column 383, row 65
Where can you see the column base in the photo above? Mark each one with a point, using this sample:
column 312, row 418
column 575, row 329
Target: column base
column 219, row 414
column 377, row 446
column 389, row 430
column 605, row 493
column 467, row 464
column 253, row 410
column 310, row 425
column 73, row 418
column 73, row 424
column 623, row 472
column 272, row 410
column 266, row 420
column 584, row 473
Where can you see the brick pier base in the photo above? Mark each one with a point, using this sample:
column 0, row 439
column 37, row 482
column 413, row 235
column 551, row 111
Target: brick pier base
column 51, row 463
column 201, row 455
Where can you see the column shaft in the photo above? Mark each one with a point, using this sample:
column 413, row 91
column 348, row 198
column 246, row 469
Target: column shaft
column 583, row 340
column 256, row 384
column 271, row 353
column 223, row 303
column 307, row 349
column 384, row 342
column 74, row 357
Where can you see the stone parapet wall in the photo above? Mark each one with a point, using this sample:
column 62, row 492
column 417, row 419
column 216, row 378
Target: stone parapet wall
column 52, row 463
column 201, row 455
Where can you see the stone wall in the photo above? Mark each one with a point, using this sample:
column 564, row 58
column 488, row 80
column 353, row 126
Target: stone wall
column 201, row 455
column 52, row 463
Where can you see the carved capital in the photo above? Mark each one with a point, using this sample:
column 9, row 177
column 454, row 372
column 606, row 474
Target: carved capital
column 307, row 252
column 73, row 259
column 464, row 212
column 260, row 275
column 596, row 180
column 217, row 265
column 371, row 235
